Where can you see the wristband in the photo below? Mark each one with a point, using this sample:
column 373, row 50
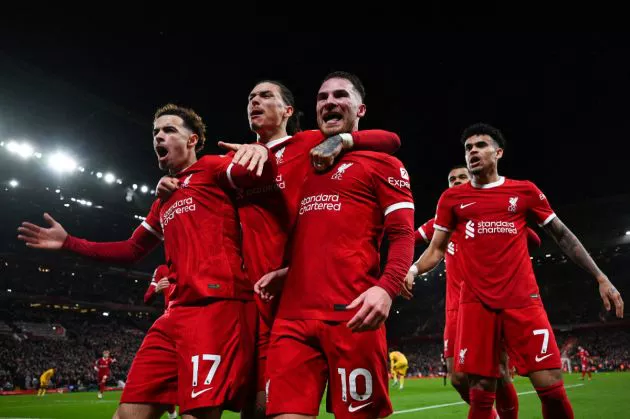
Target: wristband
column 347, row 141
column 414, row 270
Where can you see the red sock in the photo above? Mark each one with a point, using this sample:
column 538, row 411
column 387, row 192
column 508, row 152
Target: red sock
column 101, row 387
column 583, row 374
column 555, row 403
column 507, row 401
column 481, row 404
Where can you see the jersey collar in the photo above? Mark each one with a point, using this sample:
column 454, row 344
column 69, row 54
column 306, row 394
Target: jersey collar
column 499, row 182
column 273, row 143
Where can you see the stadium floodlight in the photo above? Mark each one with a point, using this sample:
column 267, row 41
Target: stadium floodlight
column 89, row 203
column 13, row 183
column 38, row 155
column 144, row 189
column 57, row 190
column 9, row 290
column 61, row 162
column 109, row 178
column 99, row 175
column 81, row 169
column 23, row 150
column 119, row 181
column 66, row 205
column 628, row 233
column 106, row 313
column 134, row 186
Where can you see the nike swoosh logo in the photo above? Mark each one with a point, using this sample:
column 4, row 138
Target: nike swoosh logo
column 194, row 395
column 462, row 206
column 541, row 358
column 353, row 409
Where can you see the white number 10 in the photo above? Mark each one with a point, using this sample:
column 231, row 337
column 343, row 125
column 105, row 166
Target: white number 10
column 216, row 360
column 352, row 380
column 545, row 333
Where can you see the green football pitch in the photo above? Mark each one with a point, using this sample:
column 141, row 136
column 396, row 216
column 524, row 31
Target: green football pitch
column 607, row 396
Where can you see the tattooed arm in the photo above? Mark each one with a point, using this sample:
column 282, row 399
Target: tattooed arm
column 572, row 247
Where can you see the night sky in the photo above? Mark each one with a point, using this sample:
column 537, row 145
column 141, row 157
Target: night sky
column 562, row 100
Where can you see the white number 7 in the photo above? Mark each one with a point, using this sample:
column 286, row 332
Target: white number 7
column 545, row 333
column 206, row 357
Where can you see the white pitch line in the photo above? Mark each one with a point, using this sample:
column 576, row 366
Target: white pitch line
column 437, row 406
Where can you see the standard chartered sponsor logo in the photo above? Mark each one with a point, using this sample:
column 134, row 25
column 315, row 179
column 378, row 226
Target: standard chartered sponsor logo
column 179, row 207
column 321, row 202
column 490, row 227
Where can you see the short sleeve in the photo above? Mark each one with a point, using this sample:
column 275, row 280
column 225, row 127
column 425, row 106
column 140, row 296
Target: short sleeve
column 445, row 216
column 539, row 206
column 391, row 181
column 152, row 222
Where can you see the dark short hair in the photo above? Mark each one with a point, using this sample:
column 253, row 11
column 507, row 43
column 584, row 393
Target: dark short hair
column 352, row 78
column 192, row 121
column 293, row 124
column 484, row 129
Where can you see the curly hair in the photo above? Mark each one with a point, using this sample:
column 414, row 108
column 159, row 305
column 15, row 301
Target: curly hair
column 484, row 129
column 192, row 121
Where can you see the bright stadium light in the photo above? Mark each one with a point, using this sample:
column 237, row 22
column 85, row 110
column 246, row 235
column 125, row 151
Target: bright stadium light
column 13, row 183
column 106, row 313
column 134, row 186
column 109, row 178
column 23, row 150
column 119, row 181
column 99, row 175
column 62, row 163
column 144, row 189
column 628, row 233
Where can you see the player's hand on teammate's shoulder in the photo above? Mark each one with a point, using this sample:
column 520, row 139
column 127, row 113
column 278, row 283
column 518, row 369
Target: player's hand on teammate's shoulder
column 323, row 155
column 375, row 304
column 609, row 293
column 270, row 284
column 166, row 186
column 51, row 238
column 253, row 156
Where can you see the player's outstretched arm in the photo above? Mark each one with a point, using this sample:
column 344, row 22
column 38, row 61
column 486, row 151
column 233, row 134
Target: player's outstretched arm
column 323, row 155
column 150, row 294
column 55, row 237
column 51, row 238
column 573, row 248
column 251, row 156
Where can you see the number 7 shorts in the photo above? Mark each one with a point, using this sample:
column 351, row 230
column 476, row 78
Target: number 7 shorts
column 524, row 333
column 196, row 356
column 304, row 355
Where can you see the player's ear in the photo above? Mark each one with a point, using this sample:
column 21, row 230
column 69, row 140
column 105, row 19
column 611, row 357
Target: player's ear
column 362, row 110
column 288, row 111
column 192, row 140
column 499, row 153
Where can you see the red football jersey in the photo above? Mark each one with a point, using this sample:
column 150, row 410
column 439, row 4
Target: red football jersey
column 583, row 354
column 268, row 212
column 490, row 221
column 103, row 365
column 201, row 233
column 336, row 241
column 453, row 274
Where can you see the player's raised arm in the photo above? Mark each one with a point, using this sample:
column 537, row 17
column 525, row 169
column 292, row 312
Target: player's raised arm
column 573, row 248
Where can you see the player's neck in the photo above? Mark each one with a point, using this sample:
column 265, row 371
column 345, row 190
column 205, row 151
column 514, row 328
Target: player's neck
column 486, row 178
column 184, row 165
column 265, row 136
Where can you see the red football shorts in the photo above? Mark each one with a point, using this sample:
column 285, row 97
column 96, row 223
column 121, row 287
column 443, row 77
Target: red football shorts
column 584, row 367
column 525, row 334
column 304, row 355
column 450, row 333
column 196, row 356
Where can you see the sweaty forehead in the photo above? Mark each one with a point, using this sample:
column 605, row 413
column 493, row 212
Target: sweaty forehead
column 166, row 120
column 334, row 84
column 479, row 138
column 266, row 87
